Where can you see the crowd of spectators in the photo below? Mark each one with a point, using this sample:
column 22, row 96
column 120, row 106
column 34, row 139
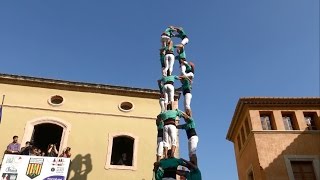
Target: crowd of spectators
column 32, row 150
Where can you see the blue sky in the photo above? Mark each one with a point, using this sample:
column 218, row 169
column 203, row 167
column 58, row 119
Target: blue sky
column 240, row 48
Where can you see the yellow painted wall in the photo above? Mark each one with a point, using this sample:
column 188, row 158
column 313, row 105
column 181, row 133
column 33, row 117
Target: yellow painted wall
column 92, row 117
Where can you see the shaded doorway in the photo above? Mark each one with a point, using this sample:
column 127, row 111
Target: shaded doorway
column 45, row 134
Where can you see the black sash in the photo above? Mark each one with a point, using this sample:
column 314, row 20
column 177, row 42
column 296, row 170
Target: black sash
column 160, row 132
column 191, row 132
column 170, row 173
column 169, row 121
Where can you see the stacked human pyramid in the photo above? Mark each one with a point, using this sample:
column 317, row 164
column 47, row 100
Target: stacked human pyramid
column 166, row 167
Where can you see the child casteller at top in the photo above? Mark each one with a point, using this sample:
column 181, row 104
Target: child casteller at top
column 173, row 31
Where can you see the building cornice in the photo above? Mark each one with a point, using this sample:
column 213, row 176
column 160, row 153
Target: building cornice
column 82, row 112
column 78, row 86
column 245, row 102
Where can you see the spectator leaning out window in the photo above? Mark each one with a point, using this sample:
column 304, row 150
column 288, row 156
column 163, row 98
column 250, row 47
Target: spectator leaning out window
column 14, row 147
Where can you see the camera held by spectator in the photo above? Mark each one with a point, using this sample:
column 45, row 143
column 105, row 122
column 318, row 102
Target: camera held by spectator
column 52, row 150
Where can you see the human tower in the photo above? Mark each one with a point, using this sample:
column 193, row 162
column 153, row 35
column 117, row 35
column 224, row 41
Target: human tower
column 165, row 167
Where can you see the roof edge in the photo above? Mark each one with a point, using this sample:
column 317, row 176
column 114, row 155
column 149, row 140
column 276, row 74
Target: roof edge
column 78, row 86
column 267, row 101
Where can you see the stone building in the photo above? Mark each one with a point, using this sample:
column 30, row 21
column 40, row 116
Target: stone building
column 276, row 138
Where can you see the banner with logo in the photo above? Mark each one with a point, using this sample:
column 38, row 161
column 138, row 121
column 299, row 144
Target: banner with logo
column 20, row 167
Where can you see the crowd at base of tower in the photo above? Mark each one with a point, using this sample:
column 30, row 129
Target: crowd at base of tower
column 166, row 166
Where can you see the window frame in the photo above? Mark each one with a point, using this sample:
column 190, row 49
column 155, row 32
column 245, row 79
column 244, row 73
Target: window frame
column 265, row 122
column 293, row 119
column 239, row 141
column 53, row 104
column 108, row 164
column 314, row 159
column 272, row 121
column 313, row 116
column 243, row 135
column 247, row 126
column 126, row 110
column 299, row 169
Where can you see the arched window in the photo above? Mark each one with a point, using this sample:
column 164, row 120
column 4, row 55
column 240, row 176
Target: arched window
column 45, row 134
column 122, row 151
column 47, row 130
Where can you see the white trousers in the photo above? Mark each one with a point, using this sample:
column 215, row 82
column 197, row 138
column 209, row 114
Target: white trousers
column 168, row 64
column 160, row 146
column 162, row 104
column 187, row 100
column 183, row 72
column 192, row 145
column 185, row 41
column 169, row 93
column 169, row 135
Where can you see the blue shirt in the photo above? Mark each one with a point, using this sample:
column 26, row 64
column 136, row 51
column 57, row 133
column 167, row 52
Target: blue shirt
column 13, row 147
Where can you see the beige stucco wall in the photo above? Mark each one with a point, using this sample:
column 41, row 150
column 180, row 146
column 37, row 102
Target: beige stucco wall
column 274, row 145
column 247, row 159
column 76, row 101
column 91, row 117
column 264, row 150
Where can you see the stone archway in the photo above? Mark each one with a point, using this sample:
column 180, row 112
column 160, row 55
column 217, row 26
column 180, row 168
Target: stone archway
column 30, row 125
